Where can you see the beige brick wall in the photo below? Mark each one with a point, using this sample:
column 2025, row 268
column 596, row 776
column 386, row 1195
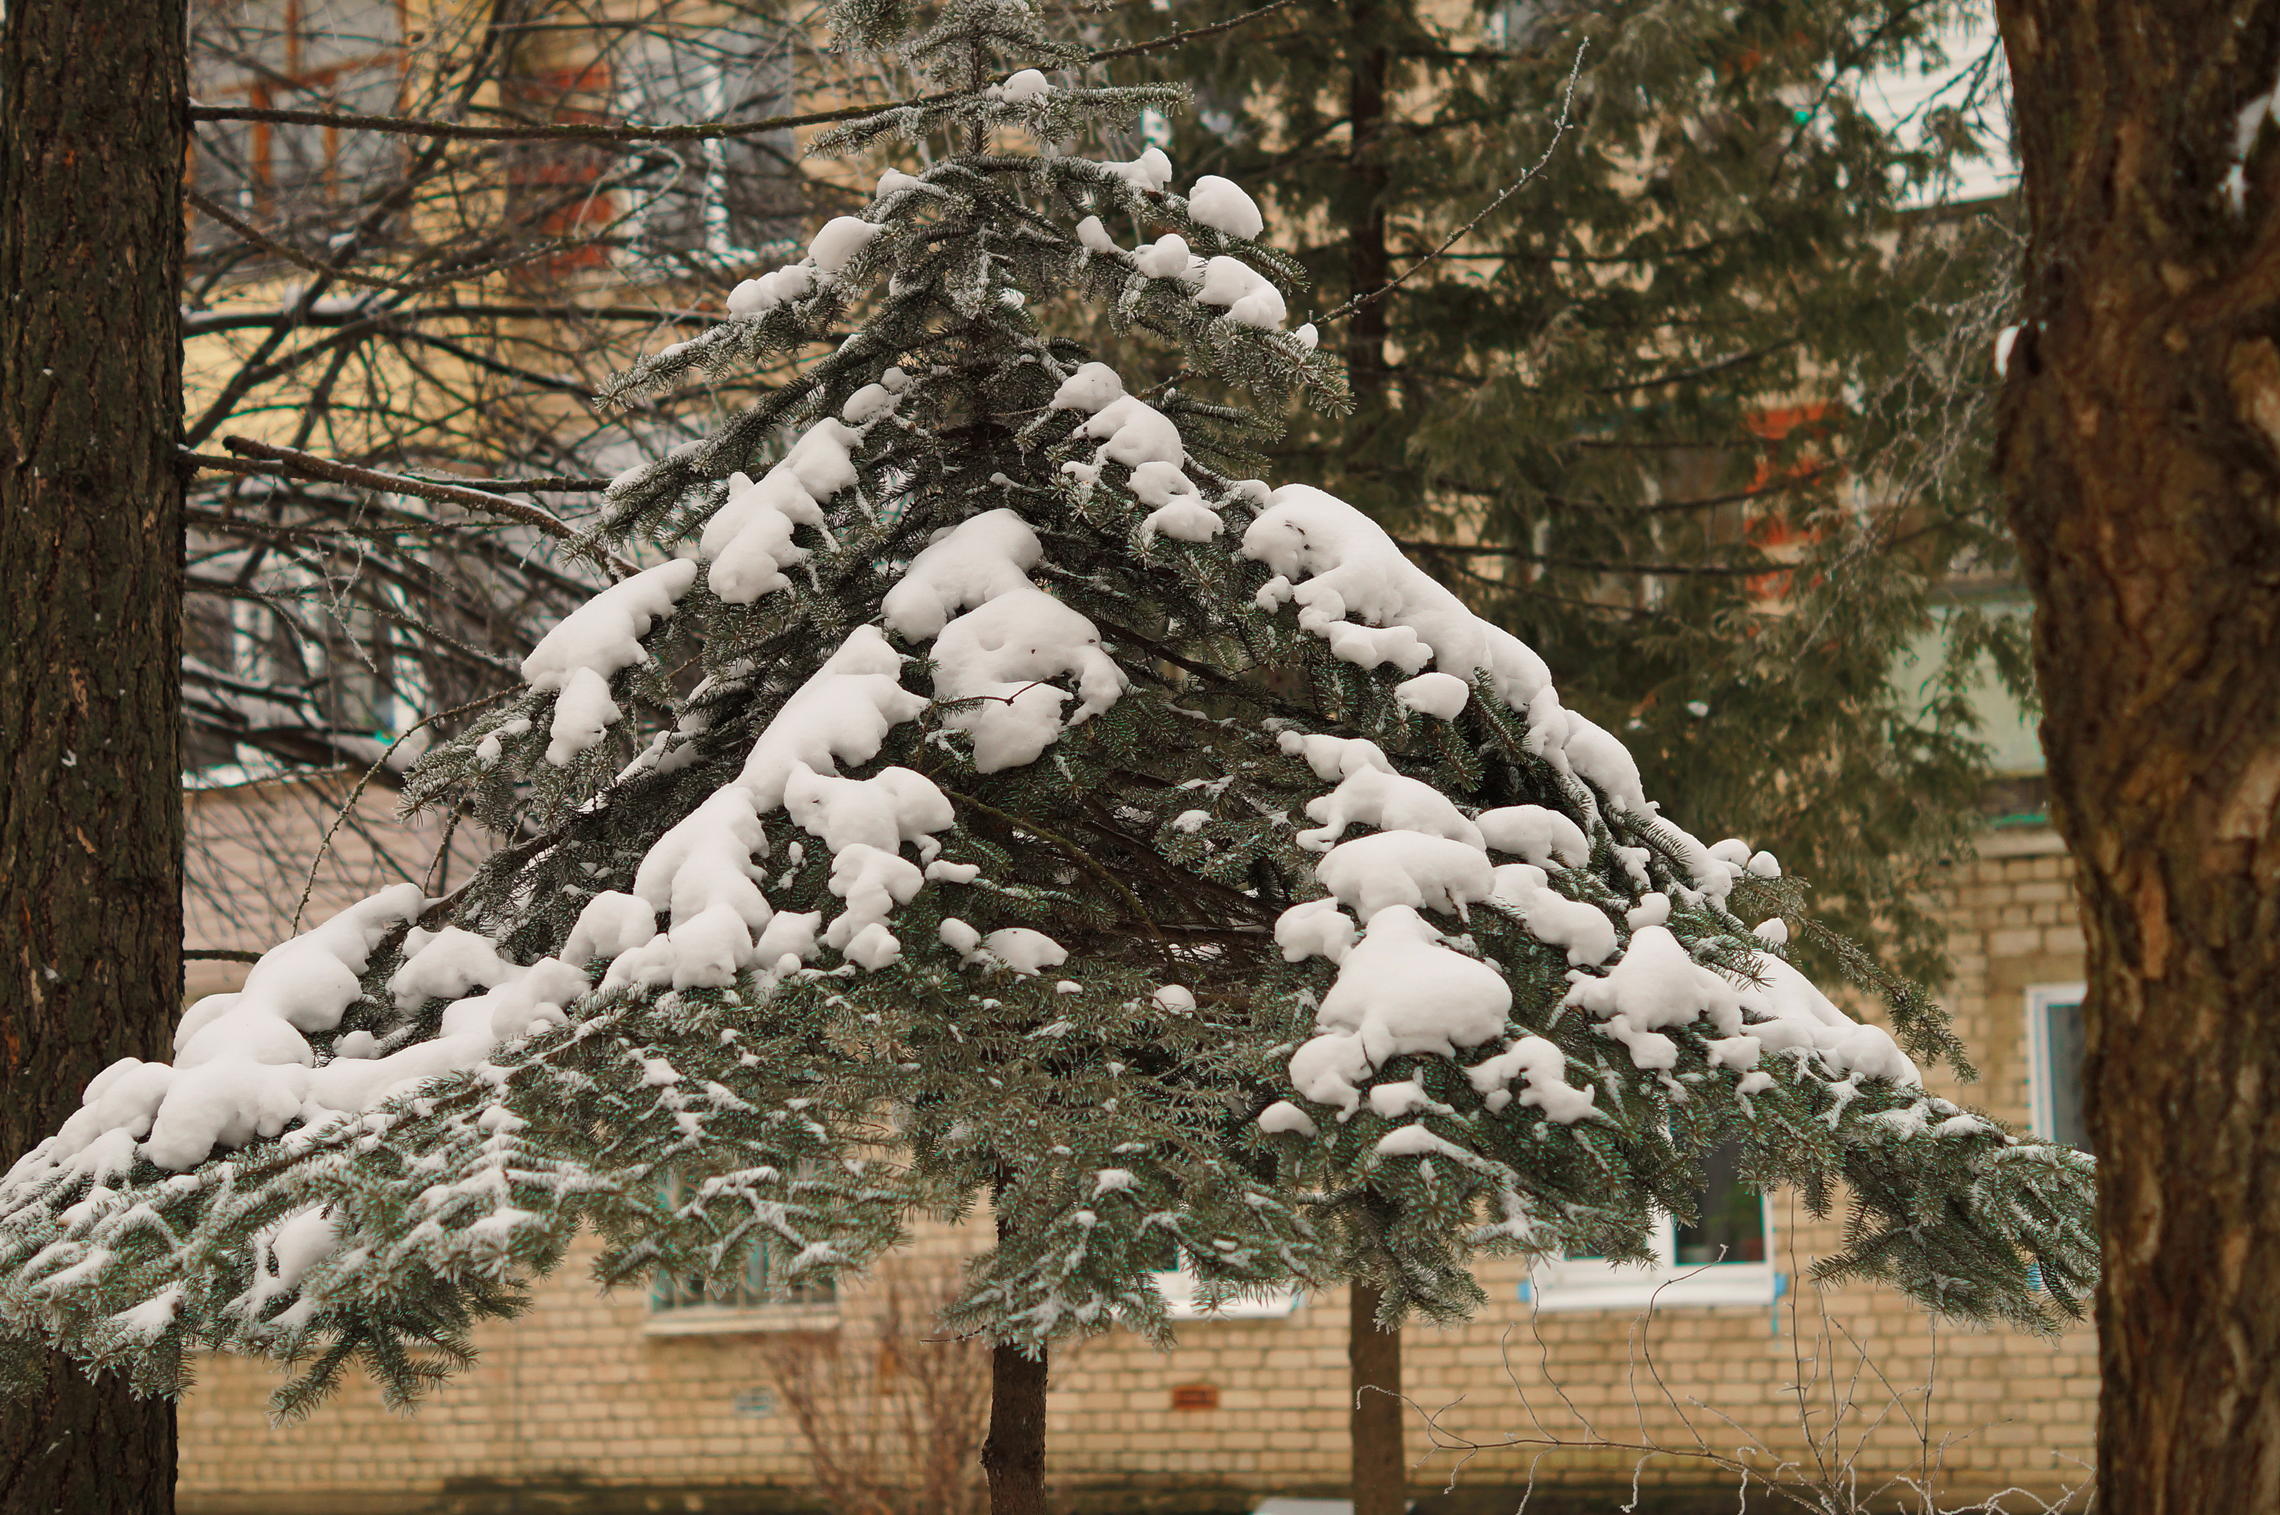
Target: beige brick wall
column 580, row 1395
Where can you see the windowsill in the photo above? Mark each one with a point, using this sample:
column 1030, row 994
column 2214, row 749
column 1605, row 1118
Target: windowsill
column 1274, row 1308
column 1708, row 1287
column 1180, row 1302
column 731, row 1320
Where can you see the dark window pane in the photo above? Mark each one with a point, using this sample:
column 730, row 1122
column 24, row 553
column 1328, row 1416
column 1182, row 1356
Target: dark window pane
column 760, row 181
column 2062, row 1073
column 1732, row 1224
column 297, row 181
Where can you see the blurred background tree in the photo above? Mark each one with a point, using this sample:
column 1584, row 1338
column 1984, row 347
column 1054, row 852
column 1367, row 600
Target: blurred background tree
column 1701, row 412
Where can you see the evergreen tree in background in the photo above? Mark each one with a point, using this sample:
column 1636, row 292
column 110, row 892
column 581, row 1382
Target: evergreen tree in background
column 1701, row 413
column 992, row 795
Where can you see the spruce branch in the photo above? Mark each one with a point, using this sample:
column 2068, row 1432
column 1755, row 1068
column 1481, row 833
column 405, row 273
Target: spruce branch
column 1071, row 851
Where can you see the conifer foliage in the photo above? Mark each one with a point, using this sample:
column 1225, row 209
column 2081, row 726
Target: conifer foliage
column 992, row 794
column 1703, row 411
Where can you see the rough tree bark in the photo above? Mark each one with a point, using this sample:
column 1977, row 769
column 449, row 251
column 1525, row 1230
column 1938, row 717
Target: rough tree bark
column 1013, row 1457
column 92, row 140
column 2141, row 453
column 1380, row 1474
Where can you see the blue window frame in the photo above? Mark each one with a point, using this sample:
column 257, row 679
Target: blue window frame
column 2055, row 1047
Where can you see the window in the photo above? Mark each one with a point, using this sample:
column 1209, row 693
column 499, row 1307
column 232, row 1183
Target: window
column 1732, row 1226
column 2054, row 1064
column 327, row 657
column 755, row 1301
column 1724, row 1257
column 1510, row 22
column 329, row 55
column 728, row 197
column 1180, row 1286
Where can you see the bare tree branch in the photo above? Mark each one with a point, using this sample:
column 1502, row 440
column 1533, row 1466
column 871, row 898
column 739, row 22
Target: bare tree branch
column 1559, row 130
column 703, row 131
column 295, row 464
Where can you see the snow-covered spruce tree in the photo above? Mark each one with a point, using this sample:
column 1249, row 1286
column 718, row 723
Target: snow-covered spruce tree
column 996, row 797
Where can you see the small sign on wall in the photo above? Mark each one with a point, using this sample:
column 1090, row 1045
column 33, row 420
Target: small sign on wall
column 1195, row 1396
column 755, row 1404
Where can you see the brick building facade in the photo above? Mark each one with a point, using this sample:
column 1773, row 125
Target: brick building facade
column 638, row 1400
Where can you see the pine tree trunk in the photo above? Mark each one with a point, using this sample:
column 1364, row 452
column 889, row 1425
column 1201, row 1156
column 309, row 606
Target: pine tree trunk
column 1373, row 1370
column 1014, row 1454
column 91, row 153
column 1369, row 264
column 2141, row 454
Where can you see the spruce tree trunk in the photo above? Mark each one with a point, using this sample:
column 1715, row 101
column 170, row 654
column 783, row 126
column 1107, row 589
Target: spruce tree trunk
column 1373, row 1370
column 92, row 140
column 1373, row 1356
column 1369, row 264
column 2141, row 455
column 1013, row 1456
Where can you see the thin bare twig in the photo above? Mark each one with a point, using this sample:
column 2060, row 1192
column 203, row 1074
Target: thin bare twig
column 205, row 206
column 292, row 463
column 1559, row 130
column 199, row 323
column 519, row 486
column 1193, row 33
column 562, row 131
column 703, row 131
column 1838, row 1471
column 348, row 806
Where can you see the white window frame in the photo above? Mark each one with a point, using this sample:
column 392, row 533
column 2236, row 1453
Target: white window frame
column 1594, row 1283
column 1181, row 1285
column 738, row 1320
column 2041, row 999
column 716, row 1318
column 708, row 167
